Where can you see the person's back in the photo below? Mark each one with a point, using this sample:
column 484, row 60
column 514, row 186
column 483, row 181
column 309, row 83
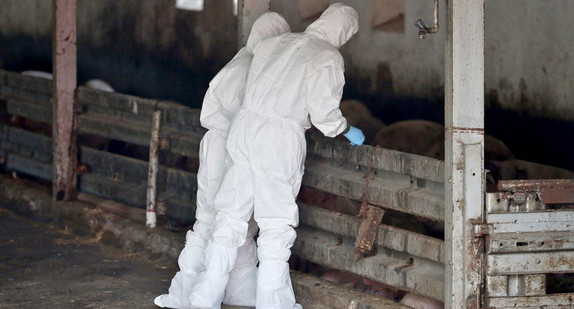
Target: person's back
column 226, row 90
column 300, row 74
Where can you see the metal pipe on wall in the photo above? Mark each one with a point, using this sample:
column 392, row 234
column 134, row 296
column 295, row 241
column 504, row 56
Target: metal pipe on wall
column 423, row 29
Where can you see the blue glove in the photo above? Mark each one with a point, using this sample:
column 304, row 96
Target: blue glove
column 355, row 136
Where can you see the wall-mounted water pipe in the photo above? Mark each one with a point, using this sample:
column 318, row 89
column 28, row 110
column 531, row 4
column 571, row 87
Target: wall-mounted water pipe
column 423, row 30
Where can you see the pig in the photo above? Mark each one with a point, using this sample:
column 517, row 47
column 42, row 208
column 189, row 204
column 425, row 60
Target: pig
column 92, row 83
column 521, row 169
column 340, row 277
column 380, row 289
column 40, row 74
column 426, row 138
column 494, row 149
column 31, row 125
column 358, row 115
column 420, row 302
column 99, row 85
column 412, row 136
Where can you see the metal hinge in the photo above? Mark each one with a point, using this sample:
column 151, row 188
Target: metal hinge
column 481, row 229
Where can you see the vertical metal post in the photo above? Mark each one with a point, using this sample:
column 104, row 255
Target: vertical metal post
column 152, row 171
column 64, row 99
column 464, row 159
column 247, row 12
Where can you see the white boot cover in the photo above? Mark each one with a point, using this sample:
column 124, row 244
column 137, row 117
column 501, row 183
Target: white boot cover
column 240, row 290
column 191, row 260
column 179, row 291
column 274, row 288
column 210, row 288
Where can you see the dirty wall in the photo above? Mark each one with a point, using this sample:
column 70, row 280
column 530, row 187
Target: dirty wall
column 529, row 55
column 150, row 49
column 146, row 48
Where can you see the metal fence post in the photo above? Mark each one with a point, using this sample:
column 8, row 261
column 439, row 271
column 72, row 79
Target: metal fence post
column 464, row 153
column 64, row 99
column 151, row 217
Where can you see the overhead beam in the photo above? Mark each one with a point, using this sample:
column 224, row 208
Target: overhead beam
column 64, row 100
column 464, row 160
column 247, row 12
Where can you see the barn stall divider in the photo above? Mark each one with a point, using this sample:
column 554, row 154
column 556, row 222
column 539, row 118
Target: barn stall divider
column 347, row 192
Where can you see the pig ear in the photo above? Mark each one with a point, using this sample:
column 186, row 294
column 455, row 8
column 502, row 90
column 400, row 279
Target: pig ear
column 367, row 281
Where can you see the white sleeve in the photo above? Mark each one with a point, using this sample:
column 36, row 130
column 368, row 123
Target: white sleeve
column 211, row 116
column 324, row 91
column 225, row 94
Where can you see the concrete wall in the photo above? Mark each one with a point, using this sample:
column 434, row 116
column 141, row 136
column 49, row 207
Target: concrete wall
column 147, row 48
column 529, row 55
column 151, row 49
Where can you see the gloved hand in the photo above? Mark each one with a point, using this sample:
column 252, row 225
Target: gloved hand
column 355, row 136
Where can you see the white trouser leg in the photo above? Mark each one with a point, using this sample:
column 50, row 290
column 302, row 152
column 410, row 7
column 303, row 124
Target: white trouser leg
column 240, row 290
column 234, row 204
column 277, row 166
column 212, row 158
column 212, row 154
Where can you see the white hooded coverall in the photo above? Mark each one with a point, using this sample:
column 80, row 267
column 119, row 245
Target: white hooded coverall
column 222, row 100
column 295, row 79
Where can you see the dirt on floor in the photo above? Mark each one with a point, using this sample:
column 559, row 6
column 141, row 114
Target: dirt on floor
column 42, row 266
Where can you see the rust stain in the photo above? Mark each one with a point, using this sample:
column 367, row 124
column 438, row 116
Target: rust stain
column 561, row 261
column 465, row 130
column 530, row 185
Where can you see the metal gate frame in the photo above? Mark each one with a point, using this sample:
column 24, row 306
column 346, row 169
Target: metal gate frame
column 528, row 237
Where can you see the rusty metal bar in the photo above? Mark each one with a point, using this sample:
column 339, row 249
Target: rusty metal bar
column 464, row 153
column 556, row 301
column 557, row 195
column 549, row 191
column 247, row 12
column 533, row 185
column 531, row 263
column 370, row 219
column 64, row 126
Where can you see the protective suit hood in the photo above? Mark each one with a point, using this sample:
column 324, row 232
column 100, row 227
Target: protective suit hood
column 337, row 24
column 268, row 25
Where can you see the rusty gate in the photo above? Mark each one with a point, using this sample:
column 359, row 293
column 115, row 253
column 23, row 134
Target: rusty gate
column 530, row 242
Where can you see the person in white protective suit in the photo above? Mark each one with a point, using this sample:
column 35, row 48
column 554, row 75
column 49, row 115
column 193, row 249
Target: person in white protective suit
column 222, row 100
column 295, row 79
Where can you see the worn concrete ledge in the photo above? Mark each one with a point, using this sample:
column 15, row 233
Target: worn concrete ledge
column 120, row 225
column 33, row 200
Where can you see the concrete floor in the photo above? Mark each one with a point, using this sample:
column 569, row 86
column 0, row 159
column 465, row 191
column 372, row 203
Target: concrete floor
column 42, row 266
